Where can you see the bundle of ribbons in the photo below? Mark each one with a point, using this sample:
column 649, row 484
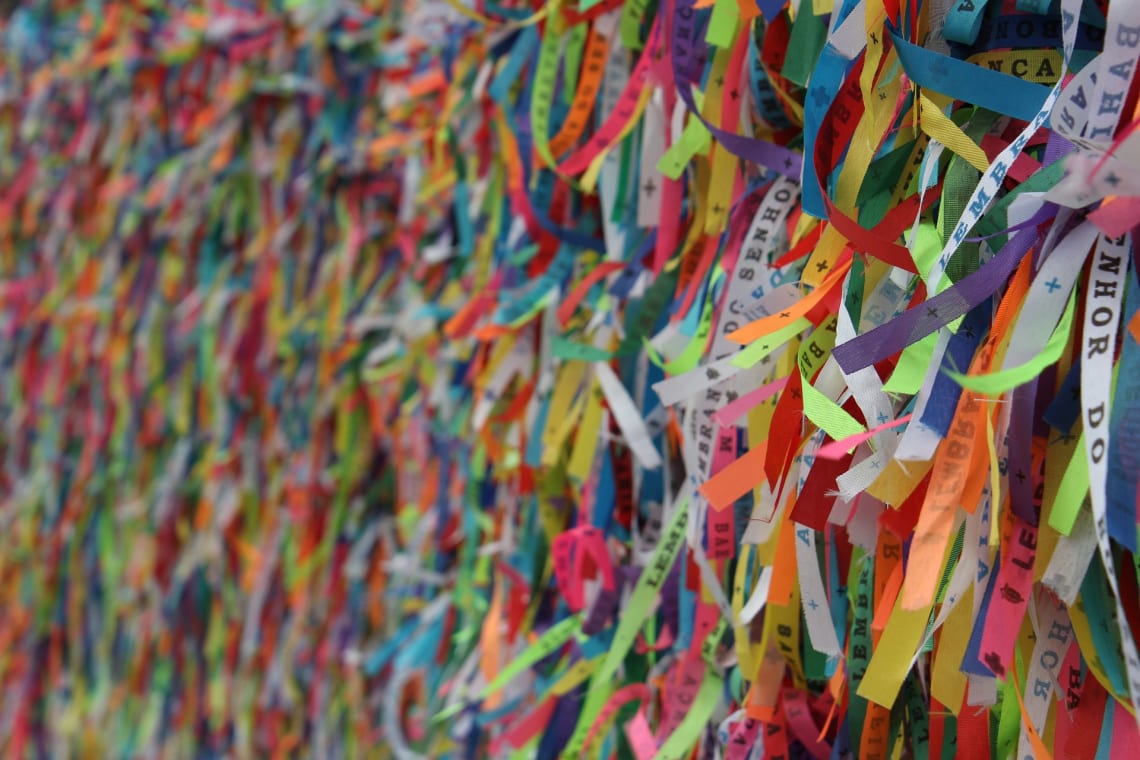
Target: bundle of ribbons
column 569, row 378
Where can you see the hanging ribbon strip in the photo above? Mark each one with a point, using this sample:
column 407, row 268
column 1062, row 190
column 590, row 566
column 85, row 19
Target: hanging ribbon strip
column 569, row 378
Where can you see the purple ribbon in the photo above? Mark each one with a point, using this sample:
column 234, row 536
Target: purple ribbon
column 776, row 157
column 914, row 325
